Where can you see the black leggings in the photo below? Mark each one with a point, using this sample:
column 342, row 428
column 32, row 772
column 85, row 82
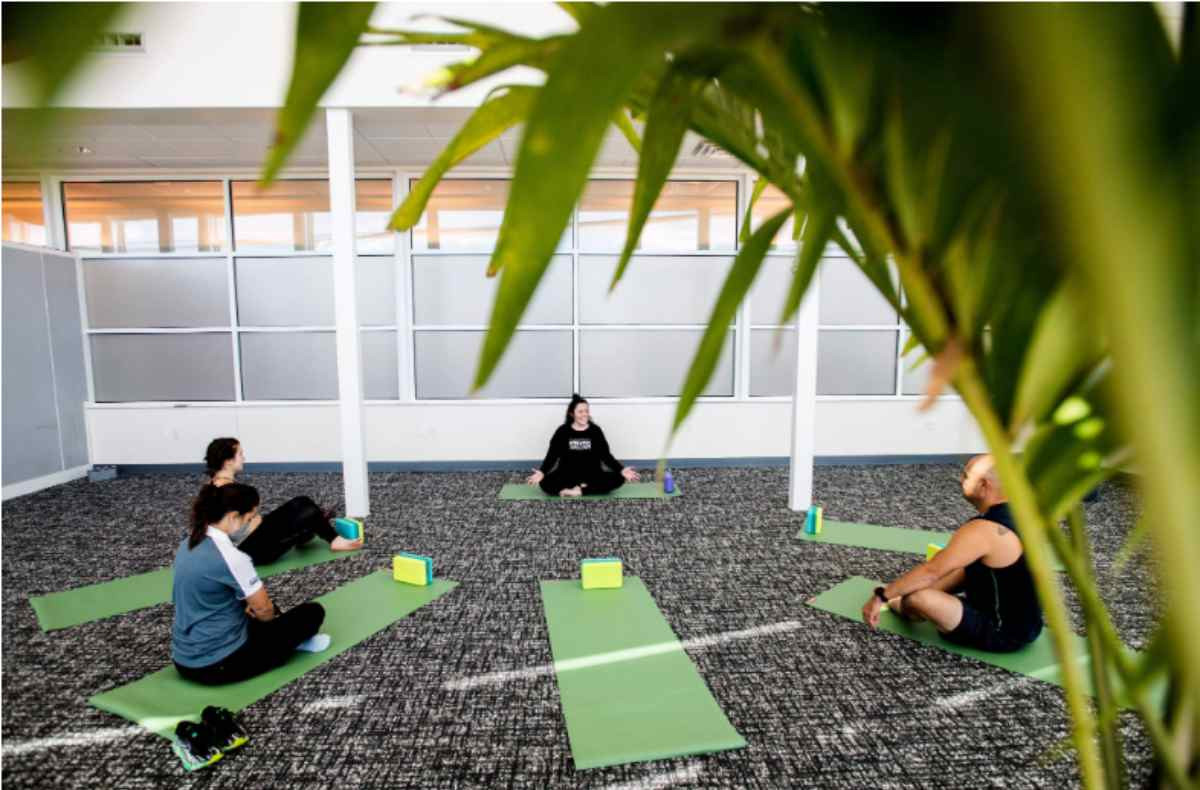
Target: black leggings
column 268, row 645
column 599, row 481
column 294, row 522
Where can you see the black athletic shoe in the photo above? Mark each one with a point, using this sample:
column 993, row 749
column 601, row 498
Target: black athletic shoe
column 194, row 745
column 227, row 733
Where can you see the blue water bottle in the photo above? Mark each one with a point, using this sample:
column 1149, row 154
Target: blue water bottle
column 668, row 482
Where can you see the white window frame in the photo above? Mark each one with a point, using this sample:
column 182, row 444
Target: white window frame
column 404, row 327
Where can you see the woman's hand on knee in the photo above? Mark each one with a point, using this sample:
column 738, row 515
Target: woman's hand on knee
column 630, row 474
column 535, row 478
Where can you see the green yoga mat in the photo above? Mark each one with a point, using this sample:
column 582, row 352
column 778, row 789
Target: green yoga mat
column 873, row 536
column 523, row 491
column 1036, row 660
column 98, row 601
column 629, row 691
column 353, row 612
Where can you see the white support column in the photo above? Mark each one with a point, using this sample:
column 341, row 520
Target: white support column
column 804, row 400
column 339, row 128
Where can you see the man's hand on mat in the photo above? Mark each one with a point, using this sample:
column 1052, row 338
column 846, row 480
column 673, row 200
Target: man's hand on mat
column 345, row 544
column 630, row 474
column 871, row 610
column 535, row 478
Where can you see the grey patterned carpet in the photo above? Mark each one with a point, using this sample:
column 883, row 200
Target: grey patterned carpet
column 822, row 701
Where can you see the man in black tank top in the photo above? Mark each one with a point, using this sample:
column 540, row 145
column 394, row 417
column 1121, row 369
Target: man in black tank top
column 978, row 590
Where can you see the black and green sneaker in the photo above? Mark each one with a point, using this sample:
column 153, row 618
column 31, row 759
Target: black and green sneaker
column 194, row 745
column 227, row 733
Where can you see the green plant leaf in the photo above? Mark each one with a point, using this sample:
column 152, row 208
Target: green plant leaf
column 817, row 230
column 737, row 283
column 52, row 40
column 1134, row 541
column 493, row 117
column 760, row 186
column 666, row 121
column 1065, row 346
column 625, row 125
column 496, row 57
column 561, row 139
column 326, row 35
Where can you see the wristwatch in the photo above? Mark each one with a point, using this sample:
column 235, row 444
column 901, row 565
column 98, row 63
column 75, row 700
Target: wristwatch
column 879, row 594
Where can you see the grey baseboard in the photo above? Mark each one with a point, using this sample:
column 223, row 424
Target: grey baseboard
column 522, row 465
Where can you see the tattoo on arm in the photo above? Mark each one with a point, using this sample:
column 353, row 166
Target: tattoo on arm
column 1001, row 530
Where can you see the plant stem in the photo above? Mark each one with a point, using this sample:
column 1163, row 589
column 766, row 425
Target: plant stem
column 1110, row 733
column 1023, row 502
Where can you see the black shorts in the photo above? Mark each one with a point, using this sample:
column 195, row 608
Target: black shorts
column 980, row 631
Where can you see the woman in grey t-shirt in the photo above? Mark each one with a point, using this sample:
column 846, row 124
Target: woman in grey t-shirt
column 226, row 628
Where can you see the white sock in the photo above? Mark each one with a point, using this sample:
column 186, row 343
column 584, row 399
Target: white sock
column 315, row 644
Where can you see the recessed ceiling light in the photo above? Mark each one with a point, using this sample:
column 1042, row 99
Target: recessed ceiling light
column 83, row 149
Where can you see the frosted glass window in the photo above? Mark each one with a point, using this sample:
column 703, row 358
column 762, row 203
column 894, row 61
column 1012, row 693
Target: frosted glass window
column 376, row 291
column 856, row 363
column 289, row 366
column 159, row 292
column 654, row 290
column 770, row 203
column 689, row 215
column 462, row 215
column 173, row 367
column 380, row 367
column 23, row 219
column 772, row 373
column 453, row 289
column 285, row 291
column 372, row 210
column 645, row 363
column 848, row 297
column 770, row 289
column 913, row 374
column 536, row 365
column 145, row 216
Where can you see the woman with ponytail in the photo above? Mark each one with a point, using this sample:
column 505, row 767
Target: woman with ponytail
column 579, row 461
column 226, row 628
column 293, row 523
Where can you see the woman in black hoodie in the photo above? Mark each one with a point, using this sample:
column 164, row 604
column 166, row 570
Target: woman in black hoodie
column 579, row 461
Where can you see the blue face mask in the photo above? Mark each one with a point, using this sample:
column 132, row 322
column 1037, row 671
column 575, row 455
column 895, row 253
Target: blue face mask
column 241, row 533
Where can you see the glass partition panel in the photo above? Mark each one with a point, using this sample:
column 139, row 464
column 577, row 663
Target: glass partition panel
column 453, row 289
column 856, row 363
column 285, row 291
column 289, row 366
column 689, row 215
column 620, row 363
column 537, row 364
column 144, row 216
column 376, row 290
column 143, row 293
column 772, row 368
column 848, row 297
column 654, row 289
column 380, row 365
column 173, row 367
column 24, row 221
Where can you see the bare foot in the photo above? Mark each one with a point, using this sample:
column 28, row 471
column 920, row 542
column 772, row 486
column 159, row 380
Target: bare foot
column 571, row 492
column 342, row 544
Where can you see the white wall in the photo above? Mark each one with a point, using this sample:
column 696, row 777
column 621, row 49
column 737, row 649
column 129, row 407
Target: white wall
column 506, row 431
column 240, row 55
